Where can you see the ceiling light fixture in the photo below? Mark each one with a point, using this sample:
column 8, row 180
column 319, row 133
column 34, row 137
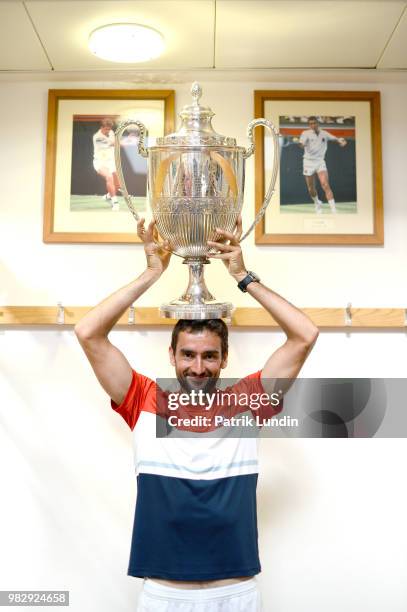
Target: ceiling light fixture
column 126, row 42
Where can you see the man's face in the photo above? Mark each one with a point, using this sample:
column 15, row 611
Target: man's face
column 105, row 129
column 198, row 359
column 313, row 125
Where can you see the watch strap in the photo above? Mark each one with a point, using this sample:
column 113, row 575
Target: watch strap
column 249, row 278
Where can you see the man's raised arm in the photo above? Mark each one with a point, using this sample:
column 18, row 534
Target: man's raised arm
column 286, row 361
column 112, row 369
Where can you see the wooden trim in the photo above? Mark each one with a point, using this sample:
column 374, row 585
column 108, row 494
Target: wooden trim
column 377, row 167
column 260, row 229
column 94, row 237
column 362, row 318
column 49, row 191
column 54, row 96
column 377, row 237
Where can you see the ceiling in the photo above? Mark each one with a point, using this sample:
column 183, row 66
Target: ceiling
column 50, row 36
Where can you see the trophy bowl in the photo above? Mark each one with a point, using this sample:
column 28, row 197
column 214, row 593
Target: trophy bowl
column 195, row 184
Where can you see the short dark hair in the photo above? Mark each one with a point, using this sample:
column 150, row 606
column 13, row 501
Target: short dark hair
column 216, row 326
column 107, row 122
column 312, row 118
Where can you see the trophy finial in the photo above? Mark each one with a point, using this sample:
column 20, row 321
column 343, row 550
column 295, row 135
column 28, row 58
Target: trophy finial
column 196, row 92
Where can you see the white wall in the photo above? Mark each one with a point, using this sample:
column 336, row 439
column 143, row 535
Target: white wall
column 331, row 512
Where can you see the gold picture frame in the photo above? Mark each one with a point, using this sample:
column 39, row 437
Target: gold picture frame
column 73, row 115
column 294, row 216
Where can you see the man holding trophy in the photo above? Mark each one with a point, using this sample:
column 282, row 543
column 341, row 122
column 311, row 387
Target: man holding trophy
column 195, row 530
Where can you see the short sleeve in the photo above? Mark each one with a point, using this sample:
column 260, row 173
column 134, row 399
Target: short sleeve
column 141, row 395
column 303, row 138
column 329, row 136
column 268, row 410
column 252, row 386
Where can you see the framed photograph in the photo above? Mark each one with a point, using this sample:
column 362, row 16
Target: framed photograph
column 83, row 200
column 329, row 186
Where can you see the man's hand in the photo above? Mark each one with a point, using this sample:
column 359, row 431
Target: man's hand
column 231, row 254
column 157, row 258
column 342, row 142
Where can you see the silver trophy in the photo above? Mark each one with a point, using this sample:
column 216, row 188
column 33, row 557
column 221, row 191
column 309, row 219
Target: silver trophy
column 195, row 185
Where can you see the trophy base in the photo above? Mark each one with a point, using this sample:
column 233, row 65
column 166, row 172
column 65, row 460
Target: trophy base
column 180, row 310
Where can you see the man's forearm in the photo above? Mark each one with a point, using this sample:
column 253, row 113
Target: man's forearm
column 293, row 321
column 100, row 320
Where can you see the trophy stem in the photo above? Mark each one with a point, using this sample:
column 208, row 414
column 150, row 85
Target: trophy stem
column 197, row 302
column 197, row 291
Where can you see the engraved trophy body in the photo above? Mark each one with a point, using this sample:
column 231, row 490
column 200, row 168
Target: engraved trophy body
column 196, row 184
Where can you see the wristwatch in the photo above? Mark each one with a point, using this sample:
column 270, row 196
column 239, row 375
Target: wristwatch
column 250, row 278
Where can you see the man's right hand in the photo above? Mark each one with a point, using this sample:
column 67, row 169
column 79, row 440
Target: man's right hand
column 157, row 258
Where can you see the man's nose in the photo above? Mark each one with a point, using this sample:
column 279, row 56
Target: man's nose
column 198, row 367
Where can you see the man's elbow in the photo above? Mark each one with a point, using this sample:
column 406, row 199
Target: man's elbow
column 83, row 333
column 79, row 331
column 309, row 337
column 312, row 336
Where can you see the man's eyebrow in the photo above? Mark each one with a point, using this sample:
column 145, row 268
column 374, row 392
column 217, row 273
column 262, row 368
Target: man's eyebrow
column 209, row 352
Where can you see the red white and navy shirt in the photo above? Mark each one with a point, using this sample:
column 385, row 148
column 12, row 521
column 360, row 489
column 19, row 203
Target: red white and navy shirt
column 195, row 516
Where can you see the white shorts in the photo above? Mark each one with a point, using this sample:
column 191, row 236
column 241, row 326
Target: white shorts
column 310, row 167
column 109, row 164
column 240, row 597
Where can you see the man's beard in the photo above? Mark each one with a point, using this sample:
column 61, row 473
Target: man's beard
column 206, row 384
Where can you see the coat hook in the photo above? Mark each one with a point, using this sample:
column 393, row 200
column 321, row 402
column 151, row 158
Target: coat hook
column 60, row 314
column 348, row 315
column 131, row 315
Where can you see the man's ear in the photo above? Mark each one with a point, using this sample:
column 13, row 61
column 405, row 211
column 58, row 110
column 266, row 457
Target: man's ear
column 171, row 355
column 224, row 362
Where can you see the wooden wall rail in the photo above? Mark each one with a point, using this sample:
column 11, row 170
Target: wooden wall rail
column 243, row 317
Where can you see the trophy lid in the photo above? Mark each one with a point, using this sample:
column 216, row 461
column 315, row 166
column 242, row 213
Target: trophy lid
column 196, row 128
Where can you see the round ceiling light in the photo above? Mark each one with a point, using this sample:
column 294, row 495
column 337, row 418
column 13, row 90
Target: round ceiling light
column 126, row 42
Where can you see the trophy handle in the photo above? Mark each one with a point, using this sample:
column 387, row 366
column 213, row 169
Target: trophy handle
column 123, row 126
column 249, row 151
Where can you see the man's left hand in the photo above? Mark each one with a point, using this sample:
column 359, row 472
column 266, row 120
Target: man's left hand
column 231, row 253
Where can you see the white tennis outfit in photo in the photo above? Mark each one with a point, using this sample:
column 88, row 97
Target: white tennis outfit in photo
column 240, row 597
column 103, row 151
column 315, row 147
